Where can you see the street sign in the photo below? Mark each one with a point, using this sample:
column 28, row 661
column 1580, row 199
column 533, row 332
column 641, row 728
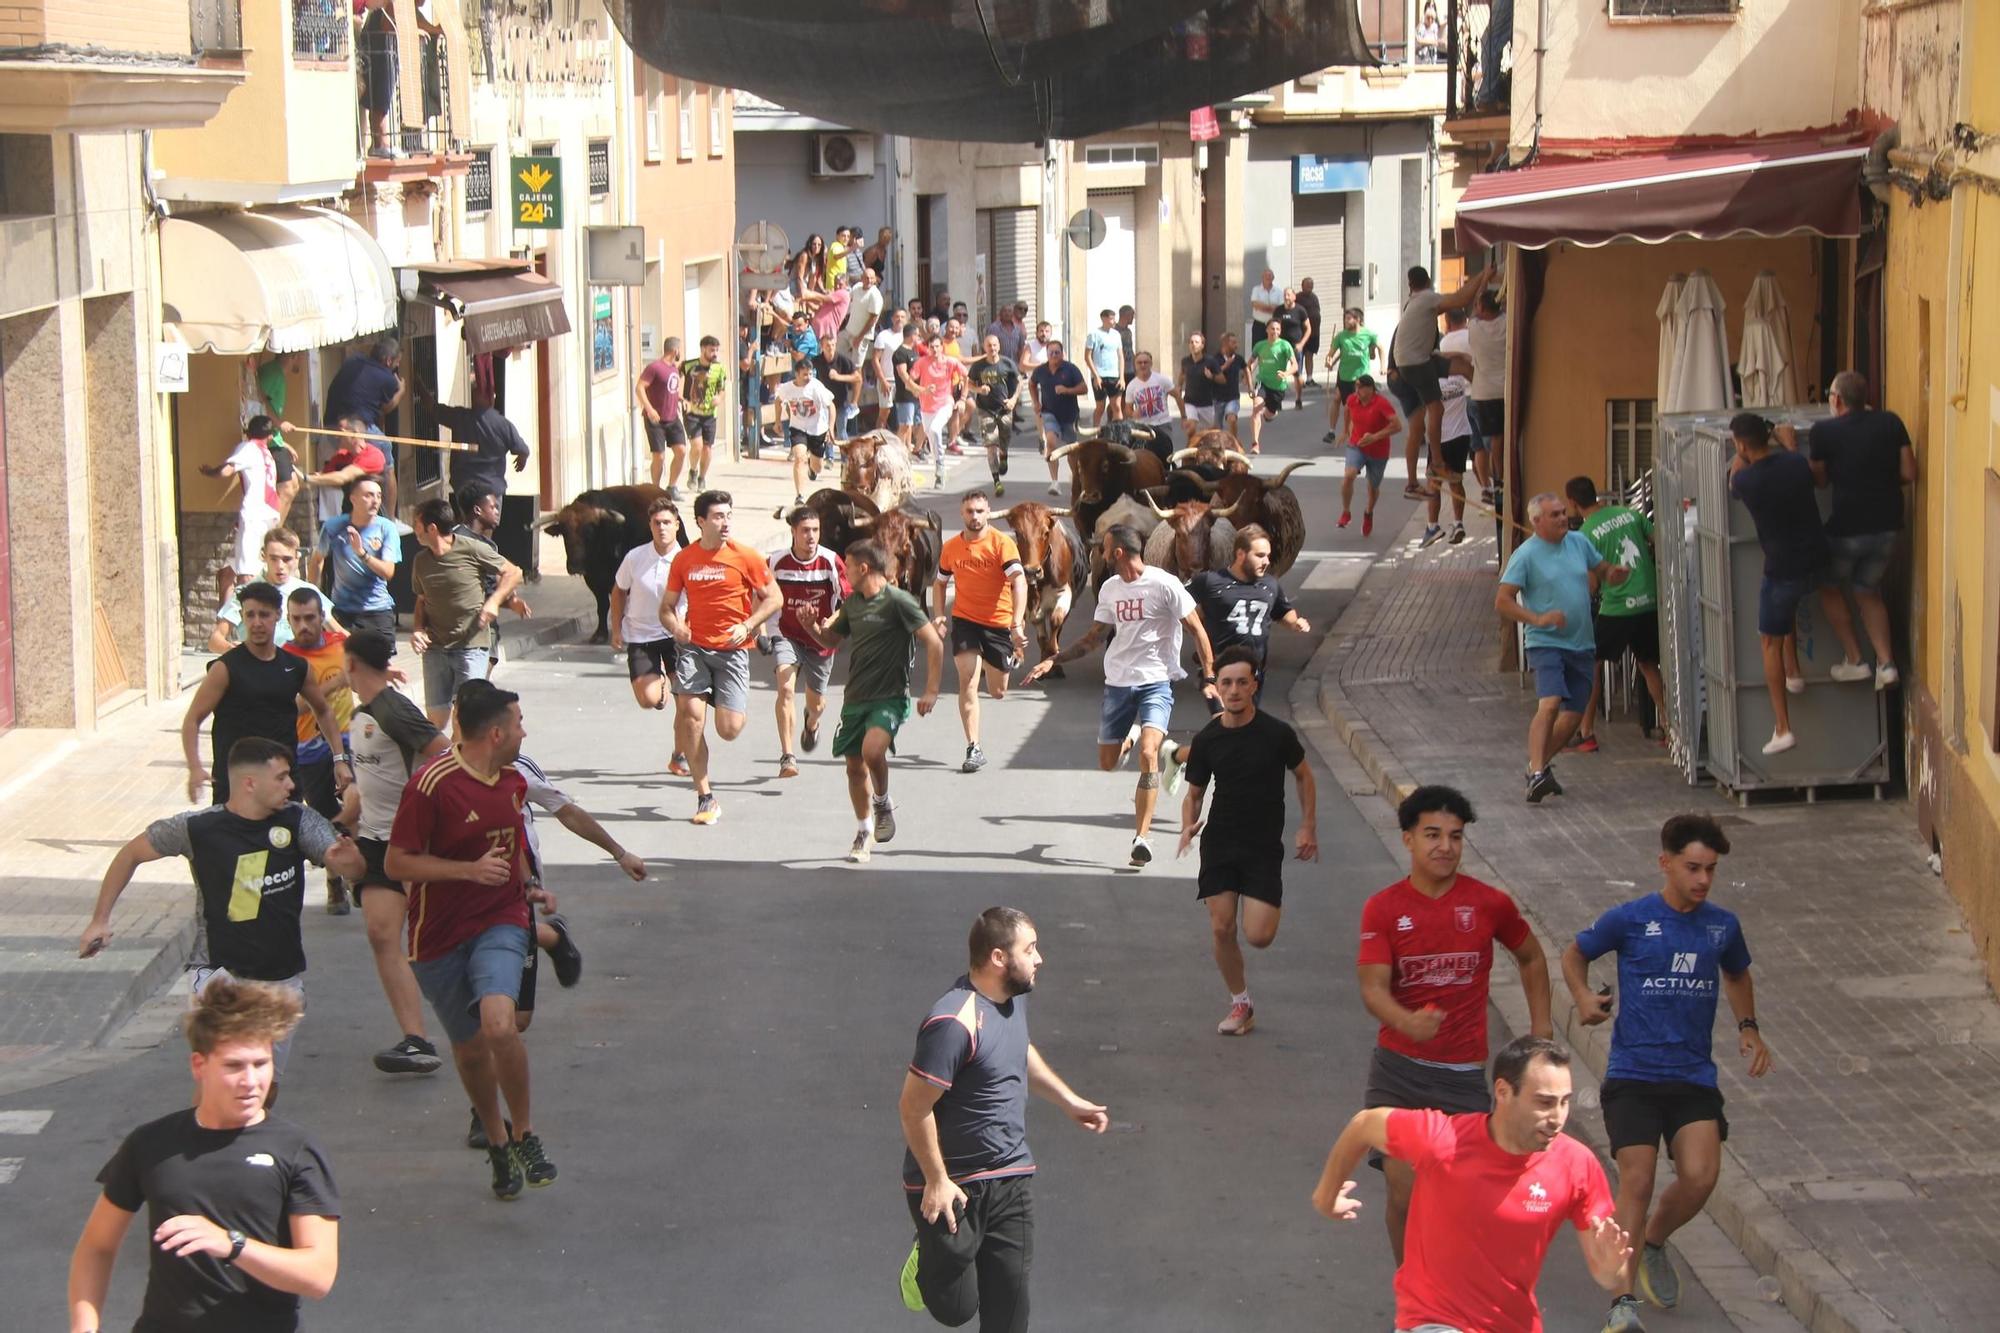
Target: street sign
column 538, row 192
column 617, row 256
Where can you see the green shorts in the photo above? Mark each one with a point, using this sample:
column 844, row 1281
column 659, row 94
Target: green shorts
column 857, row 719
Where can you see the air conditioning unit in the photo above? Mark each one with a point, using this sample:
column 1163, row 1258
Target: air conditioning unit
column 843, row 155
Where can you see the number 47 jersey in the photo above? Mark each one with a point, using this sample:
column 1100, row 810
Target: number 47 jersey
column 452, row 810
column 1234, row 612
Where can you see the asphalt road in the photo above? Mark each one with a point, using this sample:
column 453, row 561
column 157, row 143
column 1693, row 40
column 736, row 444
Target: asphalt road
column 719, row 1093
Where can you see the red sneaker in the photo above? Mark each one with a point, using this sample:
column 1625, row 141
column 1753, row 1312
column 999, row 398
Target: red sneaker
column 1584, row 745
column 1241, row 1019
column 1367, row 524
column 1345, row 518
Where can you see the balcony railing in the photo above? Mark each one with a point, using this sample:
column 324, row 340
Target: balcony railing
column 321, row 29
column 428, row 134
column 1478, row 58
column 215, row 25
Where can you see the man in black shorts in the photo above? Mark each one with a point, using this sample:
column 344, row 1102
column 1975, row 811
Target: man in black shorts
column 1243, row 840
column 996, row 393
column 1414, row 373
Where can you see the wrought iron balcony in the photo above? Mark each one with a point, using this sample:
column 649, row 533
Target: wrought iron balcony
column 1479, row 59
column 215, row 25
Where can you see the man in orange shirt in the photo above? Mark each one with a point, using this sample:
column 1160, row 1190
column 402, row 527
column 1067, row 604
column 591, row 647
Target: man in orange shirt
column 321, row 645
column 985, row 622
column 730, row 593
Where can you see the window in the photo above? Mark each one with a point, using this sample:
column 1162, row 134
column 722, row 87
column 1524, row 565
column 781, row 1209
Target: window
column 1121, row 155
column 479, row 182
column 600, row 166
column 320, row 29
column 684, row 95
column 603, row 343
column 649, row 92
column 715, row 96
column 1628, row 442
column 1673, row 9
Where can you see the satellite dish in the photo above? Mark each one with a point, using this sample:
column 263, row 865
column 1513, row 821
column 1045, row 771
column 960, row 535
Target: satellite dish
column 763, row 248
column 1086, row 229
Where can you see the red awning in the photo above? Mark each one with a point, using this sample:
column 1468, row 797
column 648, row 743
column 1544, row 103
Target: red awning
column 1763, row 190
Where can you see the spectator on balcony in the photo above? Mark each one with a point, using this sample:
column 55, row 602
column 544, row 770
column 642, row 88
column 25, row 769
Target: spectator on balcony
column 1430, row 36
column 876, row 256
column 1498, row 38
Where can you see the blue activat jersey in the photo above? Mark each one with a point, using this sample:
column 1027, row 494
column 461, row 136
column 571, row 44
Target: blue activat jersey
column 1670, row 967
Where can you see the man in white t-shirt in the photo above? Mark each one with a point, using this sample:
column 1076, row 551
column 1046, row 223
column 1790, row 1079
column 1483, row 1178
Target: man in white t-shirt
column 864, row 312
column 806, row 406
column 636, row 591
column 1487, row 337
column 1148, row 608
column 250, row 466
column 883, row 377
column 1265, row 298
column 1153, row 401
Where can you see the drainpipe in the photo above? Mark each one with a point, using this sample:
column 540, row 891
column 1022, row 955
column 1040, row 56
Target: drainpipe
column 1541, row 54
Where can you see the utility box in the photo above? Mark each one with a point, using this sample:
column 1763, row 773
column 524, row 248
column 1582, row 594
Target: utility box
column 1711, row 653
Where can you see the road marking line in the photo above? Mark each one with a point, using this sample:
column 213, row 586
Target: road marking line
column 24, row 1122
column 9, row 1168
column 1337, row 573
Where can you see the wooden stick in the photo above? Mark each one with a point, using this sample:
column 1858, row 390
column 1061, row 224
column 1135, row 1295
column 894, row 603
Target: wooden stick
column 452, row 445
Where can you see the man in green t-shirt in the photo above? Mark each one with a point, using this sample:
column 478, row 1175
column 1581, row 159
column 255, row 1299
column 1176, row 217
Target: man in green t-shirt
column 1276, row 362
column 1353, row 351
column 1628, row 615
column 884, row 624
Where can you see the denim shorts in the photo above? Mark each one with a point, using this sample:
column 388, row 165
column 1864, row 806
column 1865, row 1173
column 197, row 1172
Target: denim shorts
column 1778, row 604
column 445, row 669
column 1359, row 462
column 1150, row 705
column 487, row 964
column 1563, row 673
column 1861, row 561
column 906, row 413
column 1066, row 432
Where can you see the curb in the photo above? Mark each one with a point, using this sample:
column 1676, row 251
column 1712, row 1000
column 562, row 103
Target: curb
column 1812, row 1289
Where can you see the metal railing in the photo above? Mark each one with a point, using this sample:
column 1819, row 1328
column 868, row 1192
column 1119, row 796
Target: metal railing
column 321, row 30
column 215, row 25
column 427, row 134
column 1479, row 78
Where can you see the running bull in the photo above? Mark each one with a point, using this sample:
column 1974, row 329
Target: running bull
column 1052, row 556
column 598, row 527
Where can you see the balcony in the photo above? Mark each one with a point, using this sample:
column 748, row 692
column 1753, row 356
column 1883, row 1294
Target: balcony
column 406, row 139
column 1479, row 40
column 1408, row 82
column 93, row 66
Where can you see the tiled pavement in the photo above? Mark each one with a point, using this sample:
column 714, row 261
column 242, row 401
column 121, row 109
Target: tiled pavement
column 1862, row 1171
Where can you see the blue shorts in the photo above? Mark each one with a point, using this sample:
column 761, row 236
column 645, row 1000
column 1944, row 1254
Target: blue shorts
column 1358, row 462
column 906, row 414
column 487, row 964
column 1150, row 705
column 1778, row 604
column 1563, row 673
column 1064, row 431
column 1861, row 561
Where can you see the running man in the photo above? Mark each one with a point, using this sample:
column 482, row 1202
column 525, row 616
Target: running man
column 313, row 771
column 996, row 395
column 658, row 393
column 712, row 662
column 703, row 384
column 1355, row 349
column 1425, row 959
column 458, row 843
column 1492, row 1190
column 1104, row 352
column 391, row 739
column 1371, row 424
column 884, row 624
column 812, row 582
column 1675, row 950
column 808, row 410
column 637, row 591
column 1243, row 842
column 240, row 1247
column 986, row 622
column 1056, row 386
column 249, row 859
column 1241, row 602
column 1277, row 366
column 1148, row 608
column 281, row 571
column 964, row 1108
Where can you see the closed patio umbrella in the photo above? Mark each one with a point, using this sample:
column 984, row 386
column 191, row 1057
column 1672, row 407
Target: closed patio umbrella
column 1764, row 360
column 1669, row 314
column 1701, row 350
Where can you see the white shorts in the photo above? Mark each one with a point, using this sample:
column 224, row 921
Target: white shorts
column 248, row 557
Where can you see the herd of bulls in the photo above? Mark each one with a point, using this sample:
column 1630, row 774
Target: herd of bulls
column 1188, row 505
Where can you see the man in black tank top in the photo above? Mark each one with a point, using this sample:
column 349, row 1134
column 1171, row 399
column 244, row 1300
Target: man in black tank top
column 252, row 690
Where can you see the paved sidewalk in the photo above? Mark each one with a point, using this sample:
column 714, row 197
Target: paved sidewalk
column 1861, row 1173
column 71, row 801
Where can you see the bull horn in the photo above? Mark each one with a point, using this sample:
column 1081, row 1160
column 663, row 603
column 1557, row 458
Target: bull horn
column 863, row 522
column 1059, row 513
column 1178, row 454
column 1141, row 433
column 1066, row 449
column 1086, row 432
column 1289, row 469
column 919, row 520
column 1147, row 496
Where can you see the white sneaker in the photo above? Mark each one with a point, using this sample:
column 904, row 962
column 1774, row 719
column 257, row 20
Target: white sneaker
column 1170, row 768
column 1054, row 489
column 1780, row 742
column 858, row 852
column 1795, row 685
column 1886, row 675
column 1142, row 852
column 1848, row 672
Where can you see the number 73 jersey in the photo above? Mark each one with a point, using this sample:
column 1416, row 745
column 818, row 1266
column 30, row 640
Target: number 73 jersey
column 451, row 810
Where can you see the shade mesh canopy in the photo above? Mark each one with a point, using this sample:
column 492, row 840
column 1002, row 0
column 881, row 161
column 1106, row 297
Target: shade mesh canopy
column 995, row 71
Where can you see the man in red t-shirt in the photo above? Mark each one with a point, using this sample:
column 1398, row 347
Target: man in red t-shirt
column 1426, row 955
column 459, row 842
column 1492, row 1191
column 1371, row 423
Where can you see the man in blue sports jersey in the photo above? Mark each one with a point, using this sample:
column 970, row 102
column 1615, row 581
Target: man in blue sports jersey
column 1676, row 951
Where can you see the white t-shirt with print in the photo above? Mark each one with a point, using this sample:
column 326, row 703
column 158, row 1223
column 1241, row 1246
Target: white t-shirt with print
column 1146, row 615
column 807, row 407
column 1150, row 401
column 1457, row 422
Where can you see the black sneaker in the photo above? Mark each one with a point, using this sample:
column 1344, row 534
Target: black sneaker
column 1327, row 438
column 1542, row 784
column 568, row 959
column 535, row 1164
column 411, row 1055
column 975, row 759
column 508, row 1177
column 476, row 1136
column 809, row 739
column 1549, row 771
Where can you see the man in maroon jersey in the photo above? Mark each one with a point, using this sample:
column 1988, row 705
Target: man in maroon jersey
column 1426, row 955
column 1491, row 1193
column 458, row 843
column 812, row 582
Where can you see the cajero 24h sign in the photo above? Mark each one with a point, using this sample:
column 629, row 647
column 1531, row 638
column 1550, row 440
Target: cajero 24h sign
column 538, row 192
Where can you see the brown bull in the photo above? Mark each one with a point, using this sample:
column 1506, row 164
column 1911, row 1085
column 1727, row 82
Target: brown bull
column 1245, row 498
column 913, row 538
column 1052, row 557
column 598, row 528
column 877, row 464
column 1105, row 468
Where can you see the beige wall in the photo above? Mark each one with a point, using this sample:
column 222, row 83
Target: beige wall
column 1595, row 336
column 1168, row 305
column 122, row 25
column 1772, row 66
column 688, row 208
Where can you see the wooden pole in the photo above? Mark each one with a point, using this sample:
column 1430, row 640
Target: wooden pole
column 451, row 445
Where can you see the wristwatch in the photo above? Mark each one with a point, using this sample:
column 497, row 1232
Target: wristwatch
column 237, row 1240
column 1208, row 680
column 1748, row 1025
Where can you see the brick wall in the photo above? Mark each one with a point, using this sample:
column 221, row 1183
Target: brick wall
column 125, row 25
column 20, row 25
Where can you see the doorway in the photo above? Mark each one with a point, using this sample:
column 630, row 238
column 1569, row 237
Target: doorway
column 1112, row 277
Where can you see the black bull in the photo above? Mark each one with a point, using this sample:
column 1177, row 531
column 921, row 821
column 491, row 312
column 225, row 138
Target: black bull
column 598, row 528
